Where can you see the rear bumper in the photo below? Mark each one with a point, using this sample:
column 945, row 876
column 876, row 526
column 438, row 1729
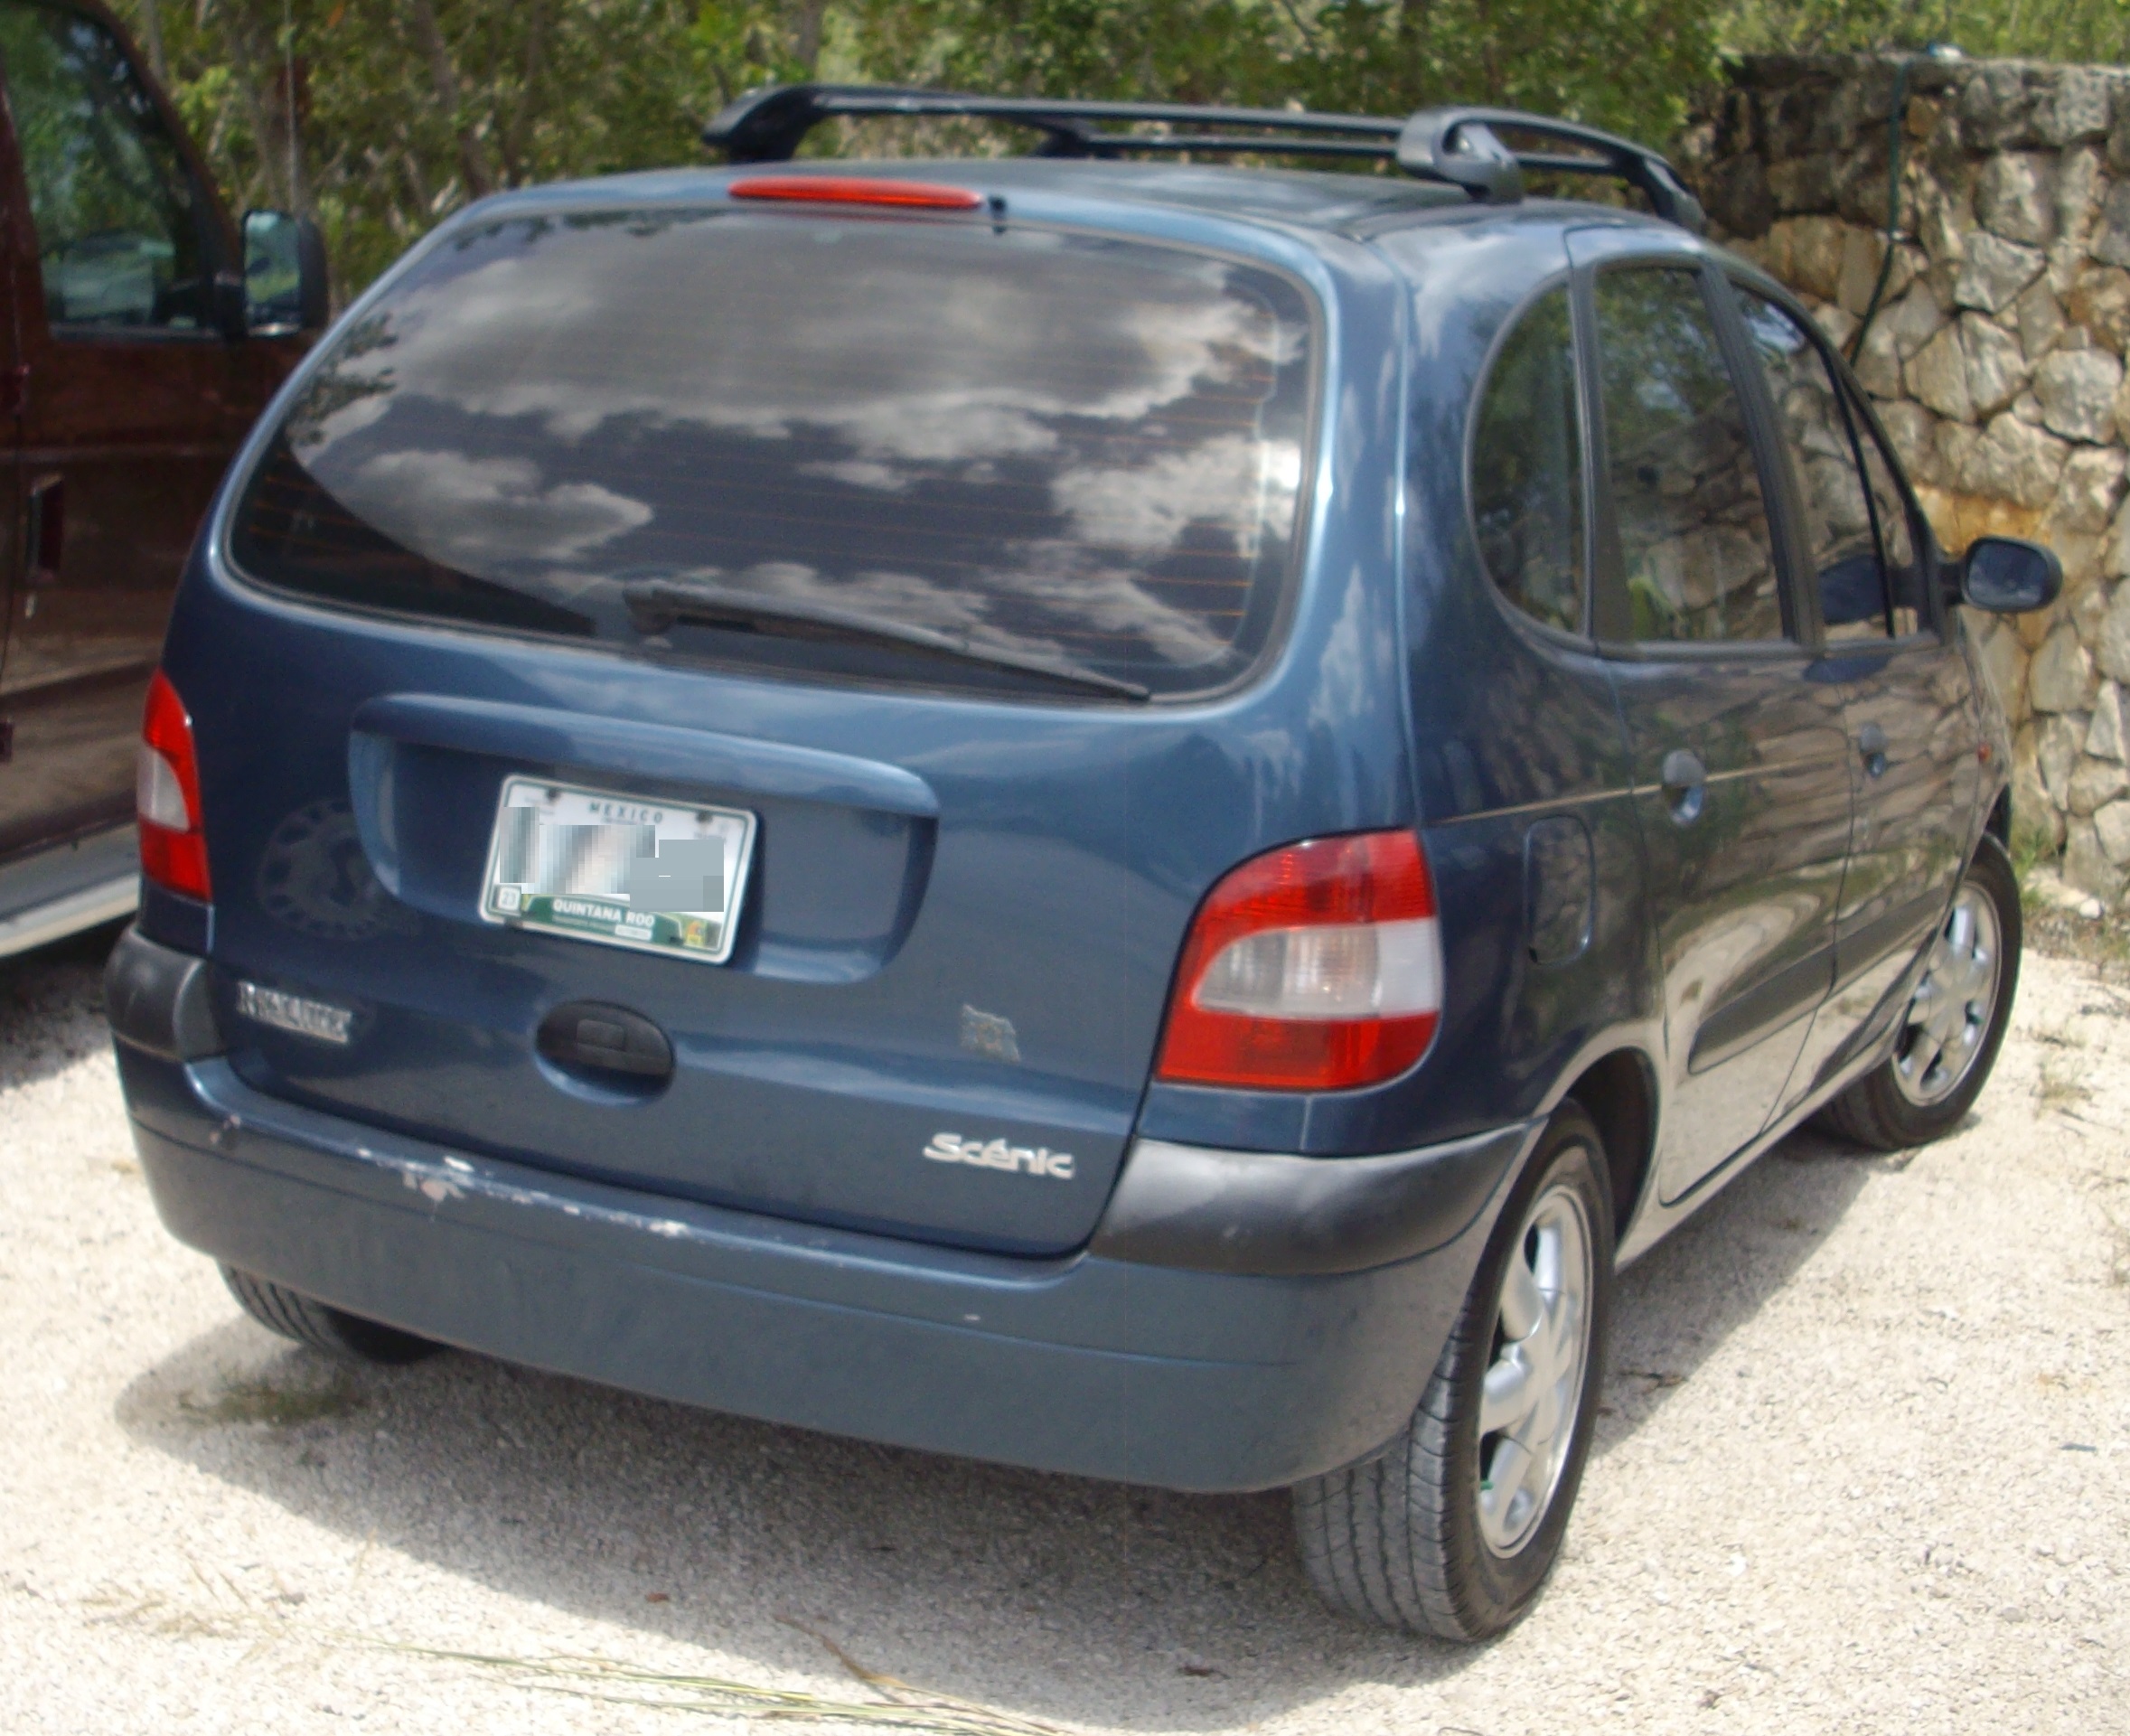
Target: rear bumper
column 1174, row 1374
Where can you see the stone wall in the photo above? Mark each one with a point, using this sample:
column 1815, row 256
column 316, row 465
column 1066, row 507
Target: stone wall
column 1998, row 356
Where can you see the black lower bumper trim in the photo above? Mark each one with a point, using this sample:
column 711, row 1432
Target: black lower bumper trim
column 156, row 999
column 1208, row 1210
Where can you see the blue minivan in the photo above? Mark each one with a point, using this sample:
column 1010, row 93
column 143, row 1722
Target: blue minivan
column 1135, row 818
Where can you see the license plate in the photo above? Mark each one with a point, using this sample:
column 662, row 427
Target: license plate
column 660, row 877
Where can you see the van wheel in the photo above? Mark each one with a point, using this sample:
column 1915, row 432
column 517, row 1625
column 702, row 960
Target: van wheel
column 1452, row 1531
column 1955, row 1022
column 348, row 1337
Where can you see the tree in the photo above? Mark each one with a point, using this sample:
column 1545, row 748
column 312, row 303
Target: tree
column 383, row 115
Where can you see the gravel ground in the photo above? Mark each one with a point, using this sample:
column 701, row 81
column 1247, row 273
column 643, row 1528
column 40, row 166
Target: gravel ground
column 1865, row 1466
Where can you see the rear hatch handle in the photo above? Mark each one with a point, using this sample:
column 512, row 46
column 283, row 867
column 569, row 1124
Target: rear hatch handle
column 545, row 735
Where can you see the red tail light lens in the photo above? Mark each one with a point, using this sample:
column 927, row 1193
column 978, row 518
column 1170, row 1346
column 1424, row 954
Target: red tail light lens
column 167, row 796
column 856, row 189
column 1315, row 967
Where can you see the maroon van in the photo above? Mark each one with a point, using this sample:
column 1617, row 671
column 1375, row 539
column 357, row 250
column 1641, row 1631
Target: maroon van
column 146, row 332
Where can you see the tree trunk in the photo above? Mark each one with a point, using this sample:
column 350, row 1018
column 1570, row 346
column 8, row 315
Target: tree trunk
column 264, row 86
column 513, row 144
column 1490, row 54
column 1413, row 42
column 807, row 19
column 150, row 36
column 444, row 81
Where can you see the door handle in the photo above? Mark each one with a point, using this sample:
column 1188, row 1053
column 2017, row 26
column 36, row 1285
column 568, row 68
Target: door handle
column 44, row 535
column 1871, row 742
column 1685, row 783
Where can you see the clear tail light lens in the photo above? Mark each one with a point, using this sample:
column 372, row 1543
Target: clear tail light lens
column 167, row 796
column 1315, row 967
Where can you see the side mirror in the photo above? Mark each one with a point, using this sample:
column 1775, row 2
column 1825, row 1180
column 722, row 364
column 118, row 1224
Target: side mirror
column 2007, row 576
column 285, row 283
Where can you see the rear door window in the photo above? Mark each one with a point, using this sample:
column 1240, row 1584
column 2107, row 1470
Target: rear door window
column 1684, row 483
column 1037, row 450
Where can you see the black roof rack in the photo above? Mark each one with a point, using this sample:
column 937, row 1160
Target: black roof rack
column 1459, row 145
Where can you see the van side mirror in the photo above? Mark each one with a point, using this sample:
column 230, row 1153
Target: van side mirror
column 2009, row 575
column 284, row 283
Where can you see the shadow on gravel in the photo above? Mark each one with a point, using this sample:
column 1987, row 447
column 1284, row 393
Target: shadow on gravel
column 1054, row 1596
column 1711, row 1274
column 52, row 1006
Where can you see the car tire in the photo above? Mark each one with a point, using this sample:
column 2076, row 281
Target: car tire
column 348, row 1337
column 1902, row 1102
column 1402, row 1540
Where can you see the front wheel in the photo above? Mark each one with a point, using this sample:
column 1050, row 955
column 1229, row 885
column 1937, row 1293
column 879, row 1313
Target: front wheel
column 1954, row 1023
column 1452, row 1531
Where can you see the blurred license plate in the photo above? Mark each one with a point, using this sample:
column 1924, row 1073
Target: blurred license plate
column 657, row 876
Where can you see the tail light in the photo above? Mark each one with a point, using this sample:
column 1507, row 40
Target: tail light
column 166, row 795
column 1315, row 967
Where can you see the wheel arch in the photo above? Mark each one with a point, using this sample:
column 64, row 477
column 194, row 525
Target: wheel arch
column 1999, row 823
column 1617, row 1090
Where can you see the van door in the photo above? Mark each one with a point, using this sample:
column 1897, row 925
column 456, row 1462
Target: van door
column 127, row 422
column 1905, row 685
column 1741, row 768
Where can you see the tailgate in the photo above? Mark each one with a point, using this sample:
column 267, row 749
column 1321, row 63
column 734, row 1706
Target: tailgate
column 936, row 562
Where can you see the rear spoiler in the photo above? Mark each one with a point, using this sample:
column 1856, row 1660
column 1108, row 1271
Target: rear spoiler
column 1461, row 147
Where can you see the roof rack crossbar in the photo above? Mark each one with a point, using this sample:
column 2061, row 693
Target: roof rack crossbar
column 1459, row 145
column 1464, row 145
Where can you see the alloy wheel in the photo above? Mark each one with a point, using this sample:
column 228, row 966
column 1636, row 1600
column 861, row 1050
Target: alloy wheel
column 1533, row 1389
column 1949, row 1015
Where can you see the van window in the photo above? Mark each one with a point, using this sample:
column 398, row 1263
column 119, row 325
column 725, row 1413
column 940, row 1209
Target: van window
column 1065, row 451
column 1527, row 468
column 1858, row 540
column 1695, row 542
column 118, row 230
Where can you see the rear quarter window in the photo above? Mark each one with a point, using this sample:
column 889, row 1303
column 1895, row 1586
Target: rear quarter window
column 1064, row 449
column 1527, row 468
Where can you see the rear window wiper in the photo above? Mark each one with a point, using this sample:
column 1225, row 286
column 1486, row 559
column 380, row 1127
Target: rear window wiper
column 656, row 605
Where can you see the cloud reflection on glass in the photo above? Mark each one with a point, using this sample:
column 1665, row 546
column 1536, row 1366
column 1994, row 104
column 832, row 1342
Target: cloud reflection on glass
column 1086, row 449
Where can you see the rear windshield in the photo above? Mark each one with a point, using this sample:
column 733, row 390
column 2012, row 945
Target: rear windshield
column 757, row 436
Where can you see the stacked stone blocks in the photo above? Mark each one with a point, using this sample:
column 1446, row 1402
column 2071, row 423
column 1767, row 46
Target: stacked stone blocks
column 1996, row 357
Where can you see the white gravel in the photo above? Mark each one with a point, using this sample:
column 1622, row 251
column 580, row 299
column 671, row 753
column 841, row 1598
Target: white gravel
column 1866, row 1468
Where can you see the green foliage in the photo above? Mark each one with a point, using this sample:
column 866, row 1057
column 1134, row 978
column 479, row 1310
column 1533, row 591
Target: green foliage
column 2050, row 29
column 1364, row 56
column 406, row 109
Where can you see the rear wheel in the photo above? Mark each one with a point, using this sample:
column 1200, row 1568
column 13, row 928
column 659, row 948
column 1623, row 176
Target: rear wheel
column 348, row 1337
column 1955, row 1021
column 1453, row 1530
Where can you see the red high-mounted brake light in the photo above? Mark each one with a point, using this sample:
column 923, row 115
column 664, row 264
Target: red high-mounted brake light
column 1314, row 967
column 856, row 189
column 167, row 796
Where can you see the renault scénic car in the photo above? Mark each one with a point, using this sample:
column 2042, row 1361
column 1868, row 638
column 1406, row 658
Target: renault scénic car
column 1129, row 817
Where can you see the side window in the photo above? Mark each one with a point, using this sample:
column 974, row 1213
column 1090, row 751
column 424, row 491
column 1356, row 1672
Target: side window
column 117, row 228
column 1694, row 546
column 1858, row 540
column 1527, row 468
column 1897, row 532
